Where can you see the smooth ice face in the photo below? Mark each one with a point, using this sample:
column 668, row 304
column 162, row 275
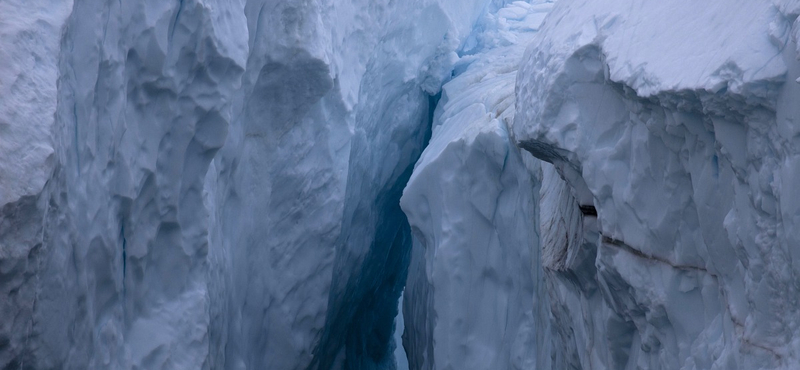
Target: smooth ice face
column 673, row 123
column 469, row 299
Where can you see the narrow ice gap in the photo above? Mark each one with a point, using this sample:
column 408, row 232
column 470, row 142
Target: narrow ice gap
column 399, row 327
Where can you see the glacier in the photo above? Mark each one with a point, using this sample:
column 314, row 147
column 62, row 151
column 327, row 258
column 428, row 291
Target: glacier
column 679, row 142
column 425, row 184
column 471, row 204
column 212, row 184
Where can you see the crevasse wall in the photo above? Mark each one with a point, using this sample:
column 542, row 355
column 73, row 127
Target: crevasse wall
column 313, row 248
column 666, row 206
column 204, row 184
column 212, row 184
column 673, row 126
column 470, row 297
column 144, row 92
column 28, row 73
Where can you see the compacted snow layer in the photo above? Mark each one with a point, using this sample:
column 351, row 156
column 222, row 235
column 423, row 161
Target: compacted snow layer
column 673, row 124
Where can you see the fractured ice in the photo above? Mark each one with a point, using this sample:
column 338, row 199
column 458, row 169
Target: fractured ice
column 253, row 184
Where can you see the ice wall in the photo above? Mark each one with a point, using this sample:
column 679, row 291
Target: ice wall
column 471, row 202
column 205, row 184
column 28, row 72
column 672, row 125
column 313, row 247
column 212, row 184
column 144, row 94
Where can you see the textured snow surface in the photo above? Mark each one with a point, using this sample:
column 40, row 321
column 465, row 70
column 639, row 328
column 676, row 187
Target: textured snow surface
column 676, row 123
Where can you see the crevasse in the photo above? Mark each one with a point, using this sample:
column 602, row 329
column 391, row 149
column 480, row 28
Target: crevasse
column 212, row 184
column 252, row 184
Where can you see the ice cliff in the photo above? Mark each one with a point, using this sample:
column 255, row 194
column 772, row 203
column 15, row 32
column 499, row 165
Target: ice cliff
column 421, row 184
column 212, row 184
column 673, row 125
column 471, row 202
column 659, row 225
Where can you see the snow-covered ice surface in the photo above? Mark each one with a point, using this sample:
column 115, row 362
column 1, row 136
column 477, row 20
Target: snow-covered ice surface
column 676, row 123
column 469, row 302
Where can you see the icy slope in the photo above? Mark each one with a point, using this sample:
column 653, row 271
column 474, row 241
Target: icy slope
column 675, row 123
column 469, row 300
